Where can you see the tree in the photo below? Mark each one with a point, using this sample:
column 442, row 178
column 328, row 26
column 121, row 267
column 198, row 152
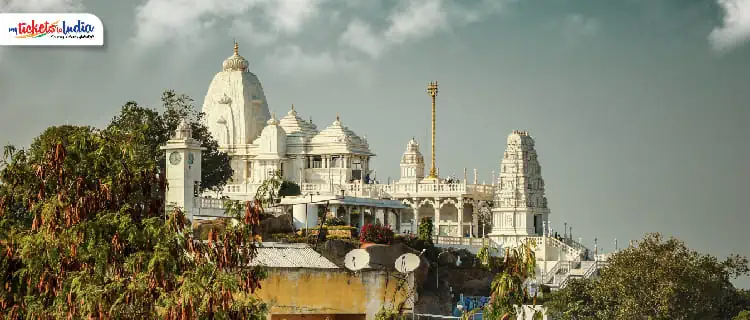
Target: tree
column 484, row 217
column 657, row 279
column 425, row 230
column 274, row 187
column 93, row 240
column 509, row 287
column 743, row 315
column 157, row 128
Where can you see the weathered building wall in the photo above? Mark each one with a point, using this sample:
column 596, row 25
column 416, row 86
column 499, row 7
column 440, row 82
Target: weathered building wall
column 324, row 292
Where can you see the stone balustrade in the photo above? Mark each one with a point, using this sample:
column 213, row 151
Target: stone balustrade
column 397, row 190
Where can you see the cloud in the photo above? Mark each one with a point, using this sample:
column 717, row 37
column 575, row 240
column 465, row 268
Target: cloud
column 359, row 36
column 576, row 26
column 735, row 26
column 419, row 18
column 292, row 59
column 413, row 20
column 160, row 21
column 40, row 5
column 281, row 23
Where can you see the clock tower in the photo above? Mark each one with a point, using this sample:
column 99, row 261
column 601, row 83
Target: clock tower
column 183, row 171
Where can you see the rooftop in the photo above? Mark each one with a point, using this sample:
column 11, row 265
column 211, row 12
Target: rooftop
column 291, row 255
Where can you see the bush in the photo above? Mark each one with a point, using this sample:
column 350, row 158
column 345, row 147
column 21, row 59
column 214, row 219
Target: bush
column 335, row 222
column 376, row 234
column 339, row 228
column 425, row 229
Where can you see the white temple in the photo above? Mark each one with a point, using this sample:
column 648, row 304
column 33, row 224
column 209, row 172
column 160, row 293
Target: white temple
column 332, row 166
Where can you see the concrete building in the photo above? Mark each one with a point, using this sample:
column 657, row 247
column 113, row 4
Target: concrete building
column 302, row 284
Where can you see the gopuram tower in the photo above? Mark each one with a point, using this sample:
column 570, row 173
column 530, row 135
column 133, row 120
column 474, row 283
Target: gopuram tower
column 520, row 205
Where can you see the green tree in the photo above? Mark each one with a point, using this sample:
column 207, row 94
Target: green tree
column 743, row 315
column 93, row 241
column 159, row 127
column 274, row 187
column 656, row 279
column 425, row 230
column 513, row 273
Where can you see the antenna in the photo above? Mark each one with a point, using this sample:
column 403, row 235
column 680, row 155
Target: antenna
column 407, row 262
column 357, row 259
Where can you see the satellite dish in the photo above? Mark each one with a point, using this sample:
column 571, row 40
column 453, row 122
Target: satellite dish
column 407, row 262
column 357, row 259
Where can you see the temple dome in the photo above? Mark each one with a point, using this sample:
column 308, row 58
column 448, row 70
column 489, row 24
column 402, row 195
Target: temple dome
column 235, row 62
column 339, row 135
column 294, row 125
column 272, row 141
column 412, row 155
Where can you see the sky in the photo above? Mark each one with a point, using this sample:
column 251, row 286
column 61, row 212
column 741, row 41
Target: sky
column 639, row 108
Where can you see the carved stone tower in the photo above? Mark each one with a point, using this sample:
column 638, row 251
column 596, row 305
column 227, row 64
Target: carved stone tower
column 236, row 111
column 183, row 171
column 520, row 205
column 412, row 163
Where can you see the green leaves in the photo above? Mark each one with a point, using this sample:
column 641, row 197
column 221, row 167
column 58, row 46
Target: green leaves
column 658, row 278
column 425, row 230
column 83, row 232
column 149, row 129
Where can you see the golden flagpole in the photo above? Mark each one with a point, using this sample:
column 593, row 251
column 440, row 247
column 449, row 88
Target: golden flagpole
column 432, row 90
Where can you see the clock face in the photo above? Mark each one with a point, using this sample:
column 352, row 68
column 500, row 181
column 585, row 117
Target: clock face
column 174, row 158
column 190, row 158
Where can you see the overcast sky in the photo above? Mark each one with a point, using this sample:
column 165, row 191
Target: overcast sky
column 639, row 107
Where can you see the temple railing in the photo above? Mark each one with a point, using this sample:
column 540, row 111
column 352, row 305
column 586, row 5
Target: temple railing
column 358, row 189
column 396, row 189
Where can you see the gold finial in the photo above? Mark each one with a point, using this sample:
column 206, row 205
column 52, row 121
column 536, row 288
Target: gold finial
column 432, row 88
column 292, row 106
column 338, row 118
column 236, row 48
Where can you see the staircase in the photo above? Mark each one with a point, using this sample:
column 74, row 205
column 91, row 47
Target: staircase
column 564, row 271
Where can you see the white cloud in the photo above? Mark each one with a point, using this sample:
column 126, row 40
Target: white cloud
column 735, row 27
column 576, row 26
column 271, row 22
column 288, row 16
column 359, row 35
column 248, row 30
column 160, row 21
column 415, row 19
column 40, row 5
column 293, row 60
column 419, row 18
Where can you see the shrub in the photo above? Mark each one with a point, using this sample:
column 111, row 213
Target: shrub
column 335, row 222
column 425, row 229
column 376, row 234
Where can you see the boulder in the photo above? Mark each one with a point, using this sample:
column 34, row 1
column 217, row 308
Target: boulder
column 274, row 225
column 336, row 250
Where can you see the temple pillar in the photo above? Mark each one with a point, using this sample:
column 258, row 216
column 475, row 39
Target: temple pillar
column 460, row 209
column 437, row 206
column 415, row 213
column 361, row 216
column 475, row 218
